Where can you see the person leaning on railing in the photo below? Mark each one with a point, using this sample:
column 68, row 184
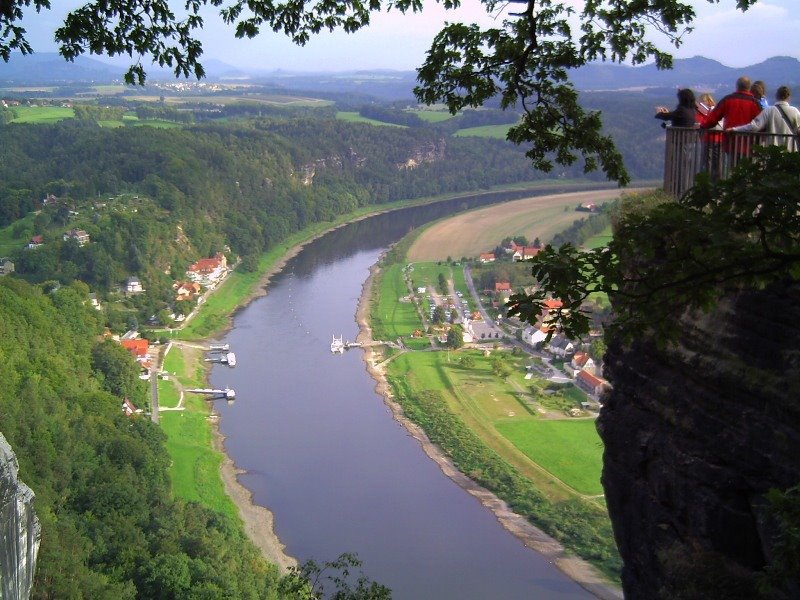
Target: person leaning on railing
column 781, row 119
column 684, row 113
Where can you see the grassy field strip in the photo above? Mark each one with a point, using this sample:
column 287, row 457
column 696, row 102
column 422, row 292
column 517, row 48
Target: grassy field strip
column 390, row 317
column 494, row 404
column 498, row 132
column 480, row 230
column 571, row 448
column 194, row 471
column 354, row 117
column 42, row 114
column 425, row 372
column 601, row 239
column 433, row 116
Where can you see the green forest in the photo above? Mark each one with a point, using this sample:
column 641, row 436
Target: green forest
column 110, row 528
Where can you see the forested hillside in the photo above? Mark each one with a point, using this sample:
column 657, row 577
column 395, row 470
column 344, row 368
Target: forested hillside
column 109, row 526
column 155, row 200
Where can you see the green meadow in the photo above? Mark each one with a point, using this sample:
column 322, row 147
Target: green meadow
column 489, row 131
column 354, row 117
column 42, row 114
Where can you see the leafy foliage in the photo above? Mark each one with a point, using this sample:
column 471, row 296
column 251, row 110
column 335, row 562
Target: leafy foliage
column 309, row 581
column 722, row 236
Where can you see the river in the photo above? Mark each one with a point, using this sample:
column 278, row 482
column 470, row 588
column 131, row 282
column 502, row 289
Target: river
column 324, row 454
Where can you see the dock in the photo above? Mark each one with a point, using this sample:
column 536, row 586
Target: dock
column 219, row 347
column 227, row 393
column 225, row 359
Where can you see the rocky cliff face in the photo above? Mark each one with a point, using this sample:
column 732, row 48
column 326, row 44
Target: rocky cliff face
column 20, row 529
column 694, row 436
column 427, row 152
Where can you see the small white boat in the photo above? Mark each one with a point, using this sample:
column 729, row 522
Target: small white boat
column 337, row 345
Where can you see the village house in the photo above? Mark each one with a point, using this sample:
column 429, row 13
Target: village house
column 486, row 257
column 580, row 362
column 185, row 290
column 208, row 271
column 591, row 384
column 140, row 349
column 79, row 235
column 133, row 286
column 93, row 300
column 128, row 408
column 35, row 242
column 522, row 252
column 560, row 346
column 534, row 336
column 6, row 266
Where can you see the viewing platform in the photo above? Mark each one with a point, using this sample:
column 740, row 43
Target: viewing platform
column 689, row 151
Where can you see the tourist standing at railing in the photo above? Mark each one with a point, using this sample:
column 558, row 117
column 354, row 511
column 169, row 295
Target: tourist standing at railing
column 759, row 89
column 738, row 108
column 761, row 96
column 781, row 119
column 684, row 113
column 712, row 139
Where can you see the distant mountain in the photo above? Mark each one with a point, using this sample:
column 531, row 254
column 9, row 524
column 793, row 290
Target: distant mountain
column 700, row 73
column 51, row 68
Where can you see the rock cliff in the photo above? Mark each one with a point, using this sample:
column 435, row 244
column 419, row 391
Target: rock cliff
column 695, row 435
column 21, row 533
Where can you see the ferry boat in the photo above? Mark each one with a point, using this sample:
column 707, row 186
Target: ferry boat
column 337, row 345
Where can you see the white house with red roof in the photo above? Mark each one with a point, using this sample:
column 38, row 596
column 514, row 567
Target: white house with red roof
column 208, row 271
column 128, row 408
column 487, row 257
column 580, row 362
column 523, row 252
column 591, row 383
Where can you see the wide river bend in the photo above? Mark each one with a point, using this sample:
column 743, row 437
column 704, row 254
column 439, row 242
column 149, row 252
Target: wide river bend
column 323, row 453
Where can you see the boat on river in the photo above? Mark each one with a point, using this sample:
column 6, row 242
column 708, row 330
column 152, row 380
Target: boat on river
column 337, row 345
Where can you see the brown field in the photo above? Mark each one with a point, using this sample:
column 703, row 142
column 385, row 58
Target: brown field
column 481, row 230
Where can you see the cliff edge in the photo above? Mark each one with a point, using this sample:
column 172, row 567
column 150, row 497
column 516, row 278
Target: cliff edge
column 695, row 434
column 20, row 529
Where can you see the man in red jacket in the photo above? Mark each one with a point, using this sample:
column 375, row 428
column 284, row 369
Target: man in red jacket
column 736, row 109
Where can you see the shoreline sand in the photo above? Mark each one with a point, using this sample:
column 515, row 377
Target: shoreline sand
column 258, row 520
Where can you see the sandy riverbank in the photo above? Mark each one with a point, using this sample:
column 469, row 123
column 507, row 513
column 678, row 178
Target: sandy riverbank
column 575, row 568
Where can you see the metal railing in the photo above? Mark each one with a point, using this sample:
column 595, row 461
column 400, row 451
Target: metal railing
column 692, row 151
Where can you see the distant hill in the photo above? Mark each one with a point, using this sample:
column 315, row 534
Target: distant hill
column 51, row 68
column 700, row 73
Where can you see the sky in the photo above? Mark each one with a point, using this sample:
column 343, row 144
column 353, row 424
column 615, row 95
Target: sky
column 396, row 41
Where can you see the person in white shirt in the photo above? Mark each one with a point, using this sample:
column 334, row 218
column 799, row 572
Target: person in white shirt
column 781, row 119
